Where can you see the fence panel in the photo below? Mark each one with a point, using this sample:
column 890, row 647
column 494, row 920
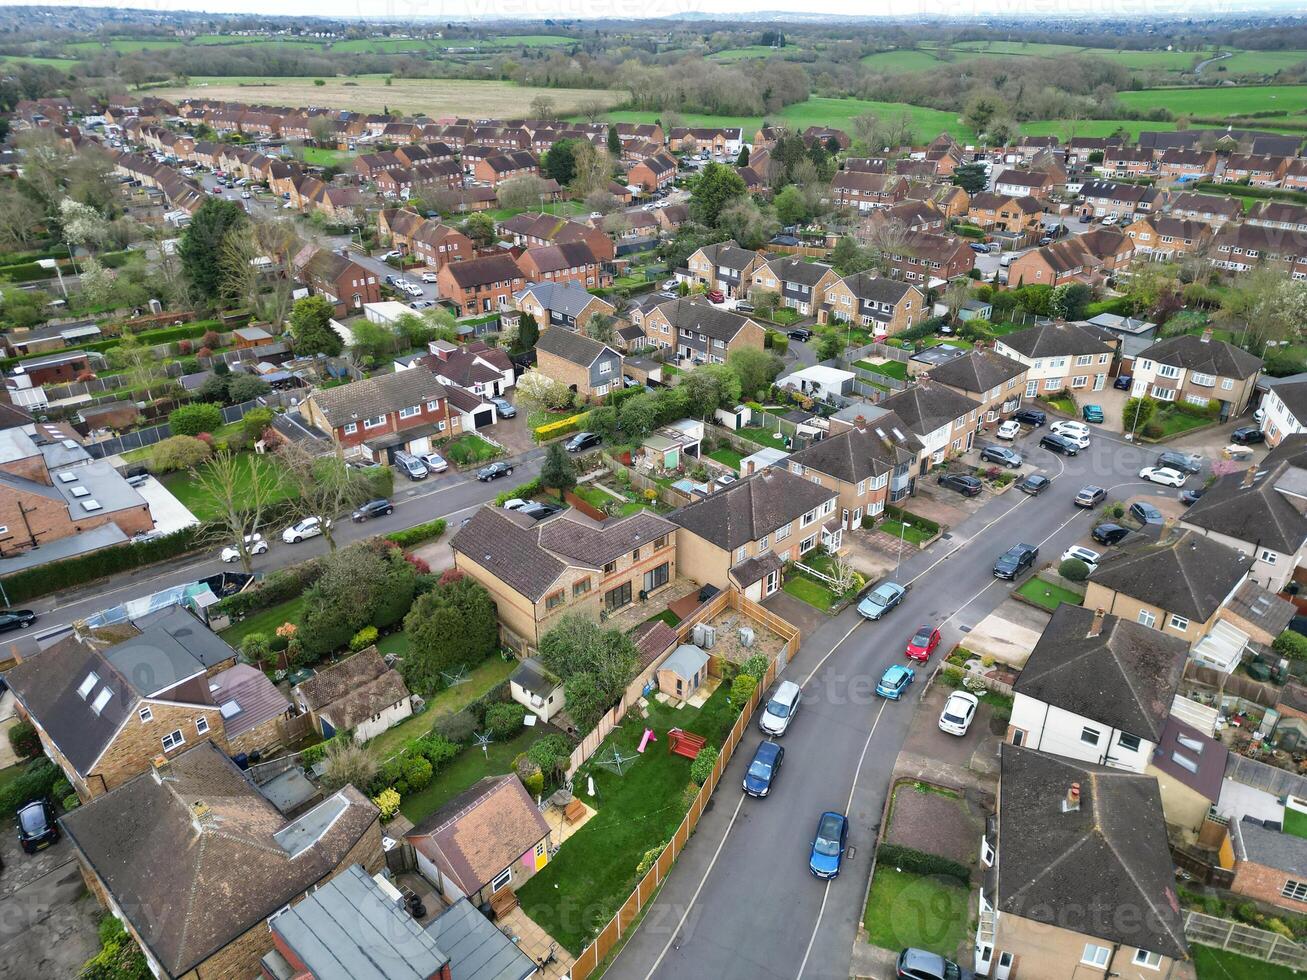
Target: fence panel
column 1262, row 944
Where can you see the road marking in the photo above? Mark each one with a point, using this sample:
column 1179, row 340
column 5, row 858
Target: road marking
column 702, row 881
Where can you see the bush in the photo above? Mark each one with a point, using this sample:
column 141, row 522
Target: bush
column 417, row 773
column 387, row 802
column 191, row 420
column 69, row 802
column 418, row 533
column 551, row 753
column 918, row 862
column 702, row 766
column 24, row 740
column 363, row 639
column 755, row 667
column 35, row 783
column 525, row 490
column 648, row 860
column 1287, row 644
column 534, row 783
column 924, row 523
column 255, row 422
column 563, row 427
column 504, row 720
column 742, row 688
column 178, row 453
column 436, row 749
column 1073, row 570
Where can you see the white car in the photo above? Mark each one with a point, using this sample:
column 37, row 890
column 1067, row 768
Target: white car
column 647, row 207
column 1078, row 439
column 245, row 195
column 1009, row 430
column 1067, row 427
column 1164, row 475
column 517, row 503
column 310, row 527
column 660, row 204
column 254, row 544
column 435, row 463
column 429, row 277
column 1080, row 553
column 959, row 712
column 392, row 254
column 596, row 216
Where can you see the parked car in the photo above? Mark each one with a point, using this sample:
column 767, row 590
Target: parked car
column 1090, row 496
column 1109, row 533
column 516, row 503
column 828, row 845
column 1123, row 382
column 434, row 462
column 1015, row 560
column 979, row 247
column 373, row 508
column 781, row 709
column 744, row 308
column 430, row 277
column 1001, row 455
column 881, row 600
column 1146, row 513
column 1162, row 475
column 310, row 527
column 494, row 471
column 504, row 407
column 1034, row 484
column 394, row 253
column 1092, row 413
column 968, row 486
column 923, row 643
column 1059, row 444
column 1009, row 430
column 16, row 619
column 254, row 544
column 1190, row 497
column 959, row 711
column 410, row 466
column 1030, row 416
column 894, row 682
column 800, row 333
column 917, row 964
column 1246, row 435
column 763, row 769
column 1063, row 427
column 715, row 296
column 37, row 828
column 421, row 304
column 1080, row 553
column 1184, row 462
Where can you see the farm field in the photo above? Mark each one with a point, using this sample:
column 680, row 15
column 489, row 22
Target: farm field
column 1221, row 101
column 123, row 44
column 912, row 59
column 752, row 51
column 524, row 41
column 1090, row 127
column 370, row 93
column 383, row 45
column 24, row 59
column 1258, row 62
column 236, row 39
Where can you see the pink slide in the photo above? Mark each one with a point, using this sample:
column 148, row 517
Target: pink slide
column 649, row 736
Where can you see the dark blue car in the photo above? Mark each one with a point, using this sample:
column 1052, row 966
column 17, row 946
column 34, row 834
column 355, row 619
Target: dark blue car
column 763, row 769
column 828, row 846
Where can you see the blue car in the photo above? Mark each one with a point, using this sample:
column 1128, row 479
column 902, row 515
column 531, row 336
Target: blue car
column 881, row 600
column 763, row 769
column 828, row 846
column 1092, row 413
column 894, row 682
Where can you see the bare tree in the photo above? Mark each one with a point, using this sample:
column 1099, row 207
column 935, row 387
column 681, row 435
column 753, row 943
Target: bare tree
column 239, row 265
column 845, row 576
column 884, row 240
column 240, row 489
column 525, row 191
column 543, row 107
column 592, row 109
column 322, row 485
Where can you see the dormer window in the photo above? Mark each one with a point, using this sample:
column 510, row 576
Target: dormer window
column 88, row 685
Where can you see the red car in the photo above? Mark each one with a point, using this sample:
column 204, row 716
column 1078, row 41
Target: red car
column 922, row 643
column 715, row 296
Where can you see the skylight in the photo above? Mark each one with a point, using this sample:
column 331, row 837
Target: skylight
column 88, row 685
column 91, row 505
column 101, row 700
column 68, row 477
column 1190, row 743
column 81, row 492
column 229, row 709
column 69, row 444
column 1184, row 762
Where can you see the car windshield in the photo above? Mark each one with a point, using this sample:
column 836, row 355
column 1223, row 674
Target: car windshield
column 828, row 837
column 921, row 639
column 760, row 769
column 952, row 719
column 882, row 597
column 778, row 709
column 33, row 820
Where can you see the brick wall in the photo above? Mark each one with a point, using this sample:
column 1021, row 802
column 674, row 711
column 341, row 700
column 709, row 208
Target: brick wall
column 138, row 743
column 1264, row 884
column 564, row 371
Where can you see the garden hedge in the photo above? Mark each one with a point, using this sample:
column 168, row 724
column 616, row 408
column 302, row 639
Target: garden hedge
column 35, row 783
column 563, row 427
column 919, row 862
column 163, row 335
column 32, row 583
column 525, row 490
column 418, row 533
column 912, row 520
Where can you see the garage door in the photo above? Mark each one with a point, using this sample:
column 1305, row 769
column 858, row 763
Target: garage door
column 483, row 416
column 420, row 446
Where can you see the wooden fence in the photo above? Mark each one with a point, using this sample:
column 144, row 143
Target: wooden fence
column 1260, row 944
column 1269, row 779
column 617, row 926
column 875, row 349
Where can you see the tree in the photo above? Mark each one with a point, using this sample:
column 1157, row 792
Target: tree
column 1137, row 412
column 743, row 159
column 480, row 227
column 593, row 109
column 536, row 391
column 709, row 387
column 522, row 192
column 971, row 177
column 980, row 110
column 614, row 141
column 348, row 763
column 716, row 187
column 885, row 239
column 246, row 387
column 543, row 107
column 829, row 345
column 528, row 332
column 601, row 662
column 96, row 282
column 201, row 245
column 601, row 200
column 21, row 219
column 600, row 327
column 755, row 368
column 1068, row 300
column 639, row 415
column 560, row 161
column 239, row 491
column 191, row 420
column 558, row 471
column 791, row 208
column 592, row 171
column 178, row 453
column 321, row 485
column 955, row 295
column 137, row 361
column 310, row 325
column 83, row 226
column 451, row 626
column 373, row 340
column 847, row 257
column 747, row 223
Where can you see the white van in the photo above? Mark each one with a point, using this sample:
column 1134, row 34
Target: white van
column 781, row 709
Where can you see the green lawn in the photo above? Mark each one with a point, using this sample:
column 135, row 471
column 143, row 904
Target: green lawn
column 1049, row 595
column 594, row 872
column 265, row 621
column 1174, row 422
column 908, row 532
column 184, row 486
column 1231, row 101
column 1218, row 964
column 494, row 670
column 906, row 909
column 812, row 591
column 763, row 437
column 321, row 157
column 667, row 616
column 727, row 457
column 470, row 449
column 1062, row 405
column 1295, row 822
column 890, row 369
column 903, row 60
column 593, row 496
column 470, row 765
column 752, row 51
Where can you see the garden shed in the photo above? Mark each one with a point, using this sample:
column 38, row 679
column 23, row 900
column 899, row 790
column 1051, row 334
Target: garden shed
column 680, row 675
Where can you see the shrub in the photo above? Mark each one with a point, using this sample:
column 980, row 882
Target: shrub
column 742, row 688
column 688, row 794
column 436, row 749
column 24, row 740
column 566, row 426
column 1073, row 570
column 178, row 453
column 61, row 788
column 35, row 783
column 1287, row 644
column 70, row 802
column 417, row 533
column 525, row 490
column 550, row 753
column 534, row 782
column 347, row 762
column 387, row 802
column 918, row 862
column 255, row 422
column 702, row 766
column 363, row 639
column 648, row 860
column 256, row 647
column 755, row 666
column 191, row 420
column 504, row 720
column 417, row 773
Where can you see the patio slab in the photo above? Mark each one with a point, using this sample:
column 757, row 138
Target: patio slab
column 1009, row 633
column 944, row 507
column 536, row 943
column 863, row 549
column 671, row 597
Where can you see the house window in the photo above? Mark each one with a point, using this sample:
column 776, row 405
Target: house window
column 374, row 423
column 86, row 686
column 1084, row 359
column 501, row 880
column 1168, row 371
column 201, row 726
column 1147, row 618
column 618, row 597
column 433, row 406
column 554, row 601
column 1227, row 384
column 1144, row 958
column 351, row 428
column 1079, row 381
column 146, row 714
column 1095, row 955
column 1267, row 556
column 1296, row 890
column 660, row 542
column 408, row 413
column 1089, row 735
column 1205, row 380
column 1052, row 384
column 580, row 588
column 1178, row 623
column 782, row 532
column 1128, row 741
column 656, row 577
column 172, row 740
column 610, row 568
column 807, row 545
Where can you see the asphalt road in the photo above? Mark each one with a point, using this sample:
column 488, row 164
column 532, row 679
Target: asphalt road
column 740, row 901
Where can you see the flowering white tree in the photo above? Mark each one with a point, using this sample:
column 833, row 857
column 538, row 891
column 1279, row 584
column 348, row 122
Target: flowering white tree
column 82, row 224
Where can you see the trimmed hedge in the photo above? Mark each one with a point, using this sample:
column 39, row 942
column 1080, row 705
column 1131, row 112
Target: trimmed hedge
column 615, row 398
column 418, row 533
column 921, row 863
column 563, row 427
column 34, row 784
column 32, row 583
column 901, row 515
column 525, row 490
column 1247, row 190
column 281, row 586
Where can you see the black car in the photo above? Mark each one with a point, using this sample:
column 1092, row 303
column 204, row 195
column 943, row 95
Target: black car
column 1015, row 560
column 1190, row 497
column 16, row 619
column 1246, row 435
column 538, row 510
column 1001, row 454
column 1123, row 382
column 494, row 471
column 1034, row 484
column 373, row 508
column 36, row 826
column 799, row 333
column 1146, row 513
column 1057, row 444
column 1109, row 533
column 582, row 441
column 1184, row 462
column 1030, row 416
column 968, row 486
column 764, row 768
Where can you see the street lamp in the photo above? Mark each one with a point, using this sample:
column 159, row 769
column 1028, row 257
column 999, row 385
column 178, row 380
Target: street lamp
column 54, row 264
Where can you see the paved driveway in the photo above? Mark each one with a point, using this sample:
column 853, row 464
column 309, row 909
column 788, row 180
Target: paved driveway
column 47, row 920
column 796, row 612
column 512, row 433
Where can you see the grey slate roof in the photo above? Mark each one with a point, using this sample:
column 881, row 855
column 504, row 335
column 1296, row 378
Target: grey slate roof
column 754, row 506
column 1294, row 396
column 861, row 453
column 1207, row 357
column 503, row 546
column 371, row 397
column 1260, row 514
column 877, row 289
column 978, row 371
column 729, row 254
column 796, row 270
column 685, row 661
column 1059, row 340
column 564, row 297
column 1126, row 676
column 595, row 544
column 1109, row 855
column 1274, row 849
column 1190, row 575
column 702, row 317
column 927, row 406
column 572, row 346
column 477, row 949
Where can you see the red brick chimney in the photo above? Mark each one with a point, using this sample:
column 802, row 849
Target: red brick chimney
column 1096, row 627
column 1072, row 801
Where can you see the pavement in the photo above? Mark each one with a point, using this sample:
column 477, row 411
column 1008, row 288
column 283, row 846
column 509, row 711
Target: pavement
column 47, row 918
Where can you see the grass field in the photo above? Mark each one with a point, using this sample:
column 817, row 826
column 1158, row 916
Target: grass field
column 469, row 766
column 526, row 41
column 383, row 45
column 265, row 621
column 1257, row 62
column 1048, row 595
column 906, row 60
column 326, row 158
column 752, row 51
column 1233, row 101
column 370, row 93
column 23, row 59
column 124, row 44
column 187, row 490
column 1217, row 964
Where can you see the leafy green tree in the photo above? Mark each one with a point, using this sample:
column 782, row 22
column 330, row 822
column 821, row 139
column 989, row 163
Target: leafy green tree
column 639, row 415
column 743, row 159
column 178, row 453
column 791, row 208
column 560, row 162
column 971, row 177
column 1068, row 301
column 594, row 663
column 480, row 227
column 191, row 420
column 558, row 471
column 255, row 423
column 528, row 332
column 614, row 141
column 829, row 346
column 310, row 325
column 716, row 187
column 201, row 245
column 244, row 387
column 453, row 625
column 848, row 257
column 1137, row 412
column 755, row 368
column 215, row 388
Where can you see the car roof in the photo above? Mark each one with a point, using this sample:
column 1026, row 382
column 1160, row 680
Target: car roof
column 890, row 588
column 895, row 671
column 767, row 750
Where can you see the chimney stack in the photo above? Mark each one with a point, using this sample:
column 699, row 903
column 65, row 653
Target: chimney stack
column 1096, row 627
column 1206, row 337
column 1072, row 801
column 1249, row 476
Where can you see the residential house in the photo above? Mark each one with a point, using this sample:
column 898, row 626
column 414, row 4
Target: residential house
column 565, row 262
column 930, row 260
column 485, row 371
column 1212, row 209
column 1025, row 183
column 561, row 304
column 1198, row 371
column 1022, row 215
column 404, row 182
column 212, row 833
column 996, row 381
column 529, row 229
column 1253, row 169
column 1279, row 214
column 360, row 694
column 672, row 217
column 342, row 281
column 720, row 142
column 863, row 191
column 1061, row 356
column 480, row 285
column 499, row 167
column 1127, row 161
column 1242, row 248
column 1284, row 409
column 725, row 267
column 951, row 200
column 1189, row 766
column 1163, row 238
column 1124, row 202
column 700, row 332
column 943, row 419
column 1295, row 175
column 402, row 410
column 1075, row 844
column 539, row 571
column 800, row 285
column 652, row 173
column 1182, row 164
column 742, row 535
column 1082, row 258
column 586, row 366
column 1270, row 864
column 884, row 307
column 912, row 215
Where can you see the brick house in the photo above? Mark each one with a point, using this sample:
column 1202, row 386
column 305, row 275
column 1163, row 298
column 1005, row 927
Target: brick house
column 1295, row 175
column 1125, row 202
column 485, row 371
column 345, row 283
column 1061, row 356
column 1127, row 161
column 531, row 228
column 725, row 267
column 700, row 332
column 1279, row 214
column 105, row 707
column 942, row 419
column 360, row 694
column 211, row 832
column 480, row 285
column 1022, row 183
column 403, row 409
column 1211, row 209
column 562, row 304
column 1004, row 212
column 1178, row 163
column 863, row 191
column 800, row 285
column 1285, row 410
column 588, row 367
column 1198, row 370
column 1083, row 258
column 1253, row 169
column 540, row 571
column 653, row 173
column 952, row 201
column 499, row 167
column 886, row 306
column 437, row 244
column 996, row 381
column 923, row 257
column 564, row 262
column 1269, row 865
column 1162, row 237
column 1241, row 248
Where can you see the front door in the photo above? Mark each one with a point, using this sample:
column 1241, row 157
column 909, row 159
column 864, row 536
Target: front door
column 1100, row 381
column 773, row 582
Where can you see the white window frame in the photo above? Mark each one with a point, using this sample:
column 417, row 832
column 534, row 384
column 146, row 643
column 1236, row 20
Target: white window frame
column 1295, row 890
column 501, row 880
column 1267, row 556
column 351, row 428
column 1095, row 955
column 201, row 725
column 408, row 413
column 145, row 714
column 1177, row 622
column 173, row 740
column 1147, row 618
column 1147, row 959
column 1085, row 735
